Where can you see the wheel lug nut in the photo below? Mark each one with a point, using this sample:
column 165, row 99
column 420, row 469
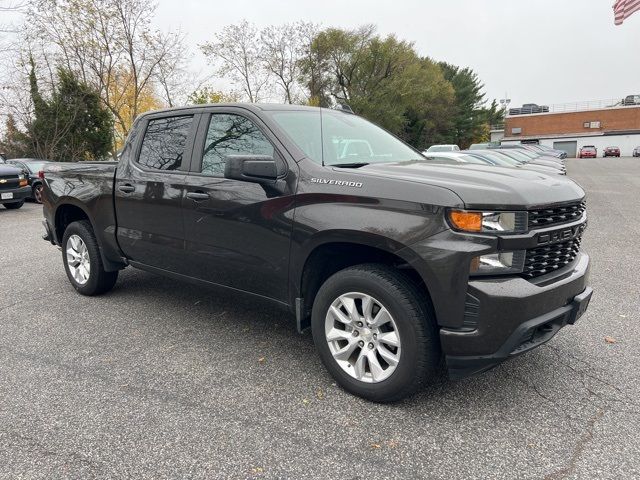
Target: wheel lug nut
column 359, row 324
column 371, row 345
column 355, row 333
column 375, row 335
column 361, row 343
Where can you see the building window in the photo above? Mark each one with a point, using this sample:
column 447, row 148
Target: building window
column 516, row 131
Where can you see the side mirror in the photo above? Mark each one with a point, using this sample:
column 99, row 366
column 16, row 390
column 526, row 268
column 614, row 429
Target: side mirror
column 251, row 168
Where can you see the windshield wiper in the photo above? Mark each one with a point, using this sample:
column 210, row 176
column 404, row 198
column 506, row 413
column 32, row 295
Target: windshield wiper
column 349, row 165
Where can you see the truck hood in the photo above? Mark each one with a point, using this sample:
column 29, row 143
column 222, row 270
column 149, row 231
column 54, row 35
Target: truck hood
column 480, row 186
column 9, row 170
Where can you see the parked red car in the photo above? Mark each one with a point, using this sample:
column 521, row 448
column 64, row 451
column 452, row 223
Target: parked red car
column 611, row 152
column 588, row 151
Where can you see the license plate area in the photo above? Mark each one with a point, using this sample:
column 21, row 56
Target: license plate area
column 6, row 196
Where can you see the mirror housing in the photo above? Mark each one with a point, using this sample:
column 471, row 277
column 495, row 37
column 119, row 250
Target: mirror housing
column 251, row 168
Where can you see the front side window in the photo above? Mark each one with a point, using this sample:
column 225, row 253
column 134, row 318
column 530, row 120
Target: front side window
column 164, row 143
column 231, row 134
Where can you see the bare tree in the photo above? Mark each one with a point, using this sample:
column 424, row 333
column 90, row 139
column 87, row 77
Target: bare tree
column 111, row 45
column 282, row 49
column 236, row 52
column 7, row 8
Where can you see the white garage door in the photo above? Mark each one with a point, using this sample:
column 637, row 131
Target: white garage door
column 570, row 147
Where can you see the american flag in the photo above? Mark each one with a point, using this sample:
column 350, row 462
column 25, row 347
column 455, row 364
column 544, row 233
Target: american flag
column 623, row 10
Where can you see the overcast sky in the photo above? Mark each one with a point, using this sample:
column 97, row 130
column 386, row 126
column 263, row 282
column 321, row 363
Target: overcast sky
column 536, row 51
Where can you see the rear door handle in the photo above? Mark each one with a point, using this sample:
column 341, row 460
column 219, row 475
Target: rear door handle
column 198, row 196
column 126, row 188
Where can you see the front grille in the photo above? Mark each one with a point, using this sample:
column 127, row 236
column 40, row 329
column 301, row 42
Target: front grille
column 10, row 182
column 546, row 259
column 548, row 217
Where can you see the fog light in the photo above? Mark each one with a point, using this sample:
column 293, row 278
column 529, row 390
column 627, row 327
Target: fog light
column 500, row 263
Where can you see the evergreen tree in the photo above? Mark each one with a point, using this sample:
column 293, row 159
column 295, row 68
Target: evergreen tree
column 70, row 125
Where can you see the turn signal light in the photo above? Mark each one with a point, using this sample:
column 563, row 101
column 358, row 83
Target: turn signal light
column 466, row 221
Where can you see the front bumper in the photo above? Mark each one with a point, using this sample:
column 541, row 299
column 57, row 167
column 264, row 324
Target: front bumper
column 507, row 317
column 18, row 194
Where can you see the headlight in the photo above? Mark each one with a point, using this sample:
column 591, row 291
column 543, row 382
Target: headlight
column 502, row 263
column 488, row 222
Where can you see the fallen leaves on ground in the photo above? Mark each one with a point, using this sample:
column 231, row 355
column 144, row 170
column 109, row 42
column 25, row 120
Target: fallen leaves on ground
column 610, row 340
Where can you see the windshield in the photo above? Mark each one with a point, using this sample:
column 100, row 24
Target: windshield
column 35, row 167
column 498, row 159
column 457, row 158
column 515, row 155
column 346, row 139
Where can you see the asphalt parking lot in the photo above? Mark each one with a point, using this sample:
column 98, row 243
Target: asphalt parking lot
column 159, row 379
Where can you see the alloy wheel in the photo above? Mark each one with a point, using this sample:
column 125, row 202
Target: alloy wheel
column 78, row 259
column 362, row 337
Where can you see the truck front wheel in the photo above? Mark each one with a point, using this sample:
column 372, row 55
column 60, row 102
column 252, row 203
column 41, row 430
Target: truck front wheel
column 14, row 205
column 375, row 334
column 82, row 260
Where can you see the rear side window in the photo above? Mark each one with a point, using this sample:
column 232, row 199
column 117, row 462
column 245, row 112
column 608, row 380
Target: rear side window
column 164, row 143
column 230, row 134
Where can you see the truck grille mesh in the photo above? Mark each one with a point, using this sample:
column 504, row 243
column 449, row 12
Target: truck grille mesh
column 546, row 259
column 556, row 215
column 10, row 182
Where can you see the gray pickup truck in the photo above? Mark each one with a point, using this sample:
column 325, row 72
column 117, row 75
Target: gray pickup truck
column 402, row 268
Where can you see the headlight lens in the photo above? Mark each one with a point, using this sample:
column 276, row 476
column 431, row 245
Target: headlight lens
column 501, row 263
column 488, row 222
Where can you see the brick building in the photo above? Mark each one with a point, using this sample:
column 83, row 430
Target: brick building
column 601, row 126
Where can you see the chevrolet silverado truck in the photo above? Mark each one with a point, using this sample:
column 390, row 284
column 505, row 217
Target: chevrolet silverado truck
column 403, row 269
column 14, row 186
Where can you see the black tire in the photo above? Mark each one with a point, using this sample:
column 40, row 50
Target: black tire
column 36, row 193
column 14, row 205
column 99, row 280
column 420, row 360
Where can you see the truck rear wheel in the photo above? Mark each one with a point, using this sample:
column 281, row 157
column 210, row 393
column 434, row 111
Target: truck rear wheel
column 375, row 334
column 82, row 260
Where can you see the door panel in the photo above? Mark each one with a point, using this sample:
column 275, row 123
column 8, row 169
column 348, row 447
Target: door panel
column 149, row 189
column 238, row 233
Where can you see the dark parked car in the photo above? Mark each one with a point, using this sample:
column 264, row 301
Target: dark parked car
column 636, row 152
column 588, row 151
column 529, row 108
column 611, row 152
column 399, row 266
column 31, row 167
column 14, row 188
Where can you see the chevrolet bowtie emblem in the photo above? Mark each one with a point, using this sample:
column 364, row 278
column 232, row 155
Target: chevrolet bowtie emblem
column 2, row 180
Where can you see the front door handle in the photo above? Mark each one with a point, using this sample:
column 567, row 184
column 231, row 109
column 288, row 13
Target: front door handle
column 198, row 196
column 126, row 188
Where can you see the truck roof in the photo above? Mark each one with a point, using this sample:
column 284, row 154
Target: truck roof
column 255, row 107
